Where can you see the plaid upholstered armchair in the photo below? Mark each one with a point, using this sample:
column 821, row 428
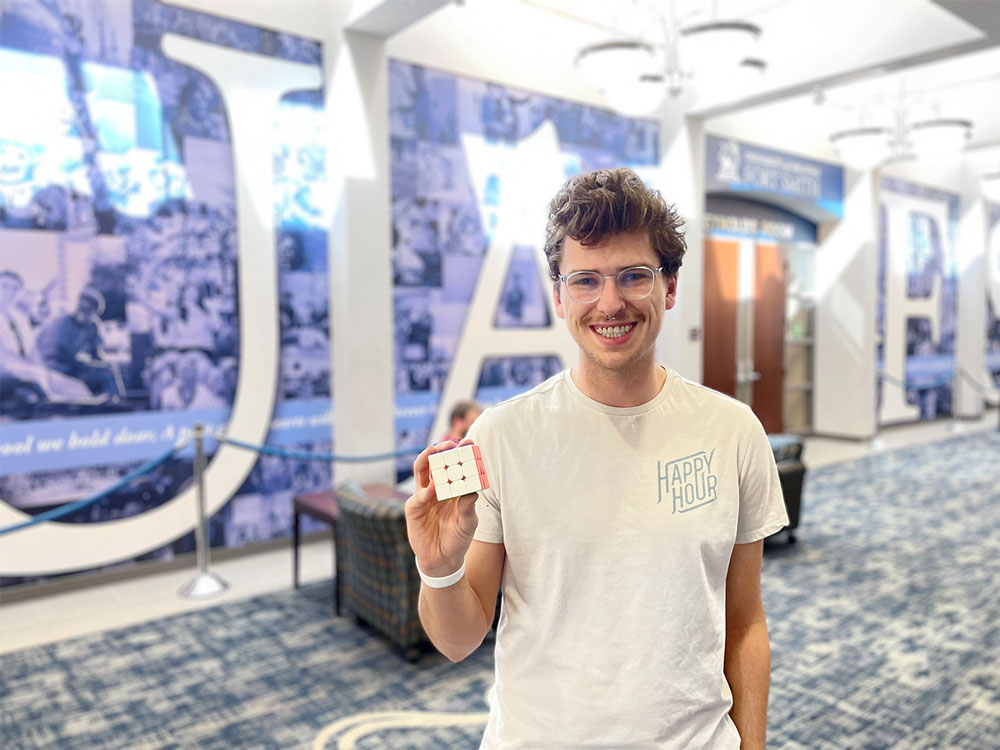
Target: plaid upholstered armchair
column 378, row 579
column 787, row 451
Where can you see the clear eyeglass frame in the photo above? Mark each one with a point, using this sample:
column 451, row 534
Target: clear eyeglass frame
column 623, row 288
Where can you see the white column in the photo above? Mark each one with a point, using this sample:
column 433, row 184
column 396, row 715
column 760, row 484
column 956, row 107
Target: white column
column 681, row 179
column 846, row 275
column 970, row 359
column 359, row 252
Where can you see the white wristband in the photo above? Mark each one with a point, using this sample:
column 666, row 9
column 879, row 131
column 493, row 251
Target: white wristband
column 444, row 581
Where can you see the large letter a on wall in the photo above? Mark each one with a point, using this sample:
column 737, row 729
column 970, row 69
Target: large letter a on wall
column 528, row 175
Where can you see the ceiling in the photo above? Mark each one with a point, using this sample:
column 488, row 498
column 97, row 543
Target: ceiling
column 830, row 65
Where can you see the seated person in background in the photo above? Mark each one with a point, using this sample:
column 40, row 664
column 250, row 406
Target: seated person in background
column 189, row 390
column 22, row 370
column 463, row 414
column 71, row 344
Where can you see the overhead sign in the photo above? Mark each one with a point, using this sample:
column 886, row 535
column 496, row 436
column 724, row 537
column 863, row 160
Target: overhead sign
column 796, row 182
column 736, row 217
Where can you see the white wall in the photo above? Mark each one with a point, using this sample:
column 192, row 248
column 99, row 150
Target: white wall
column 306, row 18
column 503, row 42
column 844, row 336
column 682, row 181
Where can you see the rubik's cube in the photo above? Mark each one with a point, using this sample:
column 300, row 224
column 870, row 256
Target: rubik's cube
column 458, row 472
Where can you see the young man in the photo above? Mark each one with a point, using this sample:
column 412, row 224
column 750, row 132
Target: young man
column 625, row 516
column 463, row 414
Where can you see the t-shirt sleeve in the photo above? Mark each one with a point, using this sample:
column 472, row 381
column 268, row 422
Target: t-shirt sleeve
column 483, row 434
column 762, row 506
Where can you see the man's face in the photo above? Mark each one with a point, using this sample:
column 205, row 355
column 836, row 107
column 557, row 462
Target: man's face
column 188, row 374
column 9, row 287
column 630, row 339
column 85, row 309
column 462, row 424
column 15, row 163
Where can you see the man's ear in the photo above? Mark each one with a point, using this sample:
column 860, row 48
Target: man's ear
column 671, row 292
column 558, row 300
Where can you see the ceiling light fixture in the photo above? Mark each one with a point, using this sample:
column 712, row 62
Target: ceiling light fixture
column 661, row 57
column 607, row 65
column 862, row 148
column 717, row 45
column 941, row 139
column 937, row 139
column 639, row 97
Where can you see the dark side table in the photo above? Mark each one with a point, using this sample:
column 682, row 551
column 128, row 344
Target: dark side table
column 323, row 507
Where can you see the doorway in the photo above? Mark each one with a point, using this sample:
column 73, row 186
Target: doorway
column 744, row 324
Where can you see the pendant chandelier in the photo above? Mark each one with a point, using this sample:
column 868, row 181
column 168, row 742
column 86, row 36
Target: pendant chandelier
column 908, row 136
column 667, row 57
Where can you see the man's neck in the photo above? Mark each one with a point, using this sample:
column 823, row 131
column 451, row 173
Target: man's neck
column 619, row 388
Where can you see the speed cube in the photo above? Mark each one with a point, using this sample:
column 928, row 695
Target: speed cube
column 458, row 472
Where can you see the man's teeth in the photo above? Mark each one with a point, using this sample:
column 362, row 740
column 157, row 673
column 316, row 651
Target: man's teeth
column 613, row 332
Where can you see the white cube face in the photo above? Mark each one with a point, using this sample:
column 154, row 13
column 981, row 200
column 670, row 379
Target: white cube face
column 455, row 472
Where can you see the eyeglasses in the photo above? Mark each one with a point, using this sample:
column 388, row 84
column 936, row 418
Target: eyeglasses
column 633, row 283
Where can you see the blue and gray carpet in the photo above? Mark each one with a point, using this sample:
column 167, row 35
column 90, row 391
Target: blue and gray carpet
column 884, row 619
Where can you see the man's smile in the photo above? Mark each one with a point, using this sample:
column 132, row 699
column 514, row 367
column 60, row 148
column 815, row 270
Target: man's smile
column 616, row 332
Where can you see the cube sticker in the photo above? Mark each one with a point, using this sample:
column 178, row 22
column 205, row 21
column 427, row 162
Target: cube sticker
column 458, row 472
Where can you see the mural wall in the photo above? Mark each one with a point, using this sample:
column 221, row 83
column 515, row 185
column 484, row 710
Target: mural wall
column 458, row 196
column 917, row 301
column 993, row 293
column 118, row 277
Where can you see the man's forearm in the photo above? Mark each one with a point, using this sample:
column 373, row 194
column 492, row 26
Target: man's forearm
column 748, row 670
column 453, row 618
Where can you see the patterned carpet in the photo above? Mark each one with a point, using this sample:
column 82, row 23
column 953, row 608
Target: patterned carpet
column 884, row 617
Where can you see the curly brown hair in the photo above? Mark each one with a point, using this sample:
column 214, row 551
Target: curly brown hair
column 593, row 206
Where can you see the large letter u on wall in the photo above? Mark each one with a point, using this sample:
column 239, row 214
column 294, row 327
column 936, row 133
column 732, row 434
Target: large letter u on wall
column 251, row 86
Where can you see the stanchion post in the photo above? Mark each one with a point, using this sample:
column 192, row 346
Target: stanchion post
column 877, row 443
column 205, row 583
column 955, row 426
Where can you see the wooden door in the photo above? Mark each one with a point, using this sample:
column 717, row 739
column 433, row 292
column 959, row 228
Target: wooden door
column 722, row 267
column 769, row 337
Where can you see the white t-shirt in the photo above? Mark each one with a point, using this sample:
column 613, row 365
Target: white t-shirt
column 618, row 525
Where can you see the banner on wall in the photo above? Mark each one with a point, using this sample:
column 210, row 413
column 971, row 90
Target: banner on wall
column 118, row 272
column 993, row 294
column 736, row 217
column 917, row 304
column 804, row 186
column 468, row 229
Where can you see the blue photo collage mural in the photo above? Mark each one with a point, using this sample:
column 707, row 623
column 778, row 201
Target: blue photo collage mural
column 923, row 309
column 993, row 294
column 445, row 211
column 118, row 295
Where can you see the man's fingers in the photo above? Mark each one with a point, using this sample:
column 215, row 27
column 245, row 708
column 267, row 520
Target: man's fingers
column 467, row 508
column 421, row 468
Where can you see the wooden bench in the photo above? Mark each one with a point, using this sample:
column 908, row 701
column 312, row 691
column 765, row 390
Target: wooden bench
column 323, row 507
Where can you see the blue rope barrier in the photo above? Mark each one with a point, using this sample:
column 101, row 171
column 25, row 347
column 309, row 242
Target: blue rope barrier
column 982, row 390
column 271, row 450
column 64, row 510
column 914, row 385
